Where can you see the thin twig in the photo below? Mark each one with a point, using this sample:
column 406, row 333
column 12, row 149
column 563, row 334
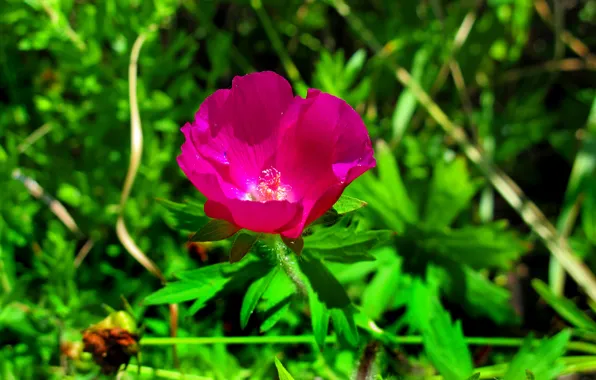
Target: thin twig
column 508, row 189
column 65, row 27
column 574, row 43
column 33, row 137
column 567, row 64
column 54, row 205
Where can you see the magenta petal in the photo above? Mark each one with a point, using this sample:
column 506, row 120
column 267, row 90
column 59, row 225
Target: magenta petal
column 266, row 217
column 269, row 162
column 256, row 108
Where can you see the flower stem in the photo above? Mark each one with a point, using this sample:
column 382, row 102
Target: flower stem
column 308, row 339
column 288, row 264
column 163, row 373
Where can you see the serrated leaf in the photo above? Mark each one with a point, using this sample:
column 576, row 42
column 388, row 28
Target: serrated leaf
column 346, row 204
column 180, row 291
column 342, row 243
column 253, row 295
column 241, row 246
column 214, row 230
column 282, row 372
column 328, row 298
column 451, row 190
column 487, row 246
column 564, row 307
column 476, row 293
column 541, row 360
column 184, row 216
column 446, row 347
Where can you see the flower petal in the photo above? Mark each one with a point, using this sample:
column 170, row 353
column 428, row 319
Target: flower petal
column 266, row 217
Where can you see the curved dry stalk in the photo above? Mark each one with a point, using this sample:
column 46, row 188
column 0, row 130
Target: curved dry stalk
column 508, row 189
column 567, row 64
column 135, row 161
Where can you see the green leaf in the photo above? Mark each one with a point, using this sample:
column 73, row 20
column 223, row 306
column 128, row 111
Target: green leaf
column 324, row 284
column 253, row 295
column 180, row 291
column 390, row 177
column 446, row 347
column 281, row 371
column 487, row 246
column 328, row 298
column 475, row 376
column 345, row 325
column 214, row 230
column 379, row 294
column 274, row 316
column 451, row 190
column 242, row 246
column 541, row 360
column 319, row 315
column 564, row 307
column 343, row 243
column 346, row 204
column 529, row 375
column 475, row 292
column 589, row 211
column 183, row 216
column 406, row 103
column 353, row 66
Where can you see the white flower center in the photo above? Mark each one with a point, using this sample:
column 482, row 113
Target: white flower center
column 269, row 187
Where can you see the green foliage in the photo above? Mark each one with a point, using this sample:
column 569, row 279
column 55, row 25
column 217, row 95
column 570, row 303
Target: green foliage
column 566, row 308
column 423, row 229
column 281, row 371
column 540, row 361
column 445, row 345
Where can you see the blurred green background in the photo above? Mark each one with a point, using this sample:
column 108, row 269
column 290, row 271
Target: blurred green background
column 517, row 75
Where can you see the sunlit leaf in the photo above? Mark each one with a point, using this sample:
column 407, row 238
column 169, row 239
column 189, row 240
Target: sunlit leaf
column 253, row 295
column 347, row 204
column 281, row 371
column 446, row 347
column 450, row 192
column 540, row 360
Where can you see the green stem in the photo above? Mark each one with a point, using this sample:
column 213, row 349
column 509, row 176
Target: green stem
column 163, row 373
column 309, row 339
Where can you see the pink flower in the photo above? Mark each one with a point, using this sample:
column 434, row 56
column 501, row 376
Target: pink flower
column 270, row 162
